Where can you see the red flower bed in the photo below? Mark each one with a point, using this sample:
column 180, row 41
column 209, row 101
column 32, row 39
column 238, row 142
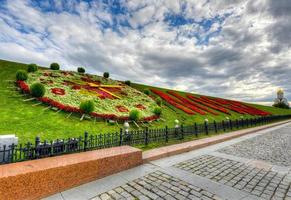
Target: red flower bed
column 199, row 100
column 122, row 109
column 170, row 100
column 59, row 105
column 58, row 91
column 76, row 87
column 192, row 104
column 23, row 86
column 237, row 106
column 141, row 107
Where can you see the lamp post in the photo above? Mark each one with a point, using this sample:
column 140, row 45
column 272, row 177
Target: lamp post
column 126, row 126
column 176, row 127
column 206, row 126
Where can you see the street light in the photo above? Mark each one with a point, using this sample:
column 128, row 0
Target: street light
column 177, row 123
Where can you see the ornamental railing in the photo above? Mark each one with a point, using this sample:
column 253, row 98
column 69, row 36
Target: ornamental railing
column 41, row 149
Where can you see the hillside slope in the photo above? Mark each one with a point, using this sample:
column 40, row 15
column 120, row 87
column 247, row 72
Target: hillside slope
column 27, row 119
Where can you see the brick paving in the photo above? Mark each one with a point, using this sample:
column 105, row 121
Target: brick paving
column 157, row 185
column 259, row 182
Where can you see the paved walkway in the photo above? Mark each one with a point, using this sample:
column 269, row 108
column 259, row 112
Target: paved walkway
column 255, row 166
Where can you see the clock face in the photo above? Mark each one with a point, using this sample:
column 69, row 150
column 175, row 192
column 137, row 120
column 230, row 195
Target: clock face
column 110, row 97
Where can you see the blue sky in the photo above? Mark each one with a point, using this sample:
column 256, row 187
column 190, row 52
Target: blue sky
column 233, row 49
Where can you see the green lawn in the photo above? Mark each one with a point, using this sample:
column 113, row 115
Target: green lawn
column 27, row 120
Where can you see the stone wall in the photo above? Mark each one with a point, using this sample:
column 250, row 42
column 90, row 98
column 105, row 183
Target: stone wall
column 40, row 178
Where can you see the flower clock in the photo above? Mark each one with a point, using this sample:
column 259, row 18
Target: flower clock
column 112, row 99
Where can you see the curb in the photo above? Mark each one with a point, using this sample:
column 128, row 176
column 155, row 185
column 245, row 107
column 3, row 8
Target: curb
column 176, row 149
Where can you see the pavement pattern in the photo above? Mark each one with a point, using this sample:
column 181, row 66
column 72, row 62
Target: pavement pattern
column 244, row 168
column 260, row 182
column 157, row 185
column 274, row 147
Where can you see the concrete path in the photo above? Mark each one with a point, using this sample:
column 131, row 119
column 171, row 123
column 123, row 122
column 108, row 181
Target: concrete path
column 255, row 166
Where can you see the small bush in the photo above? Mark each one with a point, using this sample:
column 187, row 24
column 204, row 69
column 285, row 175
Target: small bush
column 37, row 90
column 81, row 70
column 32, row 68
column 55, row 66
column 127, row 82
column 159, row 101
column 134, row 115
column 21, row 75
column 87, row 106
column 147, row 91
column 106, row 75
column 158, row 111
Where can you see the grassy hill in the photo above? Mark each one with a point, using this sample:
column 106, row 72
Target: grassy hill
column 27, row 120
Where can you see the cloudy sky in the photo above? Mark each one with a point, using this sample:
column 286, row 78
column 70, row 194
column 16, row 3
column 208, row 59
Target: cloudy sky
column 226, row 48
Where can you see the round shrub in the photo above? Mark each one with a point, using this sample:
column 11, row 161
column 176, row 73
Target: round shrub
column 81, row 70
column 159, row 101
column 32, row 68
column 87, row 106
column 127, row 82
column 158, row 111
column 147, row 91
column 134, row 115
column 21, row 75
column 106, row 75
column 55, row 66
column 37, row 90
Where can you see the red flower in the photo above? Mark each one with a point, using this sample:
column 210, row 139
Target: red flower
column 141, row 107
column 23, row 86
column 122, row 109
column 172, row 101
column 76, row 87
column 58, row 91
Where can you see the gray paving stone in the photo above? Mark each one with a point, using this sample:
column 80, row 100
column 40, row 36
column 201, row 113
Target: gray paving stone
column 259, row 182
column 169, row 188
column 273, row 147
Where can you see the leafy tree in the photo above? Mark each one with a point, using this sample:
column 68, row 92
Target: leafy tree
column 55, row 66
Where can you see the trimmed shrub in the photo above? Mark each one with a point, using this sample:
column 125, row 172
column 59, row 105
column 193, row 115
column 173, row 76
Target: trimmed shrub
column 81, row 70
column 127, row 82
column 21, row 75
column 147, row 91
column 32, row 67
column 87, row 106
column 106, row 75
column 55, row 66
column 159, row 101
column 158, row 111
column 134, row 115
column 37, row 90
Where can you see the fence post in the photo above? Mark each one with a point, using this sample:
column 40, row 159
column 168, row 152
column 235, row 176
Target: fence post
column 206, row 128
column 230, row 124
column 182, row 132
column 236, row 123
column 120, row 137
column 146, row 136
column 196, row 129
column 12, row 152
column 223, row 125
column 215, row 126
column 167, row 134
column 85, row 141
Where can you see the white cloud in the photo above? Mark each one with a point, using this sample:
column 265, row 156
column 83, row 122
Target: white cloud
column 248, row 60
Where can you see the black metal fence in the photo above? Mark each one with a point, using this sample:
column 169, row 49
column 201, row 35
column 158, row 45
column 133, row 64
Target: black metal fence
column 29, row 151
